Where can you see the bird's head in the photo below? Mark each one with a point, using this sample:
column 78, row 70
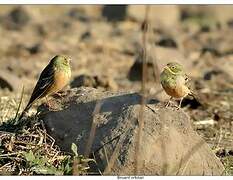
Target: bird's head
column 61, row 60
column 173, row 68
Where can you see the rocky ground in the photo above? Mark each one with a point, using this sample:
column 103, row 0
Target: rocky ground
column 105, row 44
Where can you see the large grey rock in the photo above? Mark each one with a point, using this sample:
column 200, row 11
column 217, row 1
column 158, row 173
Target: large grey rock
column 169, row 144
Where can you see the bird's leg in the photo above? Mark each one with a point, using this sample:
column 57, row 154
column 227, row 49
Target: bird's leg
column 58, row 94
column 47, row 102
column 52, row 106
column 180, row 103
column 61, row 96
column 168, row 102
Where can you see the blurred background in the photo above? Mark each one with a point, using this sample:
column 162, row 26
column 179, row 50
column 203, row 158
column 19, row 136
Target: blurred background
column 105, row 44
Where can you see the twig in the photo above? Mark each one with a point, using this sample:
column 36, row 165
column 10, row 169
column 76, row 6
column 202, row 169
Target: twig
column 105, row 154
column 96, row 164
column 6, row 155
column 113, row 139
column 93, row 128
column 20, row 102
column 143, row 89
column 116, row 151
column 219, row 139
column 5, row 165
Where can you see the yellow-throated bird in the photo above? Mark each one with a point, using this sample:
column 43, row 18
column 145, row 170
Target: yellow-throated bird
column 174, row 82
column 53, row 78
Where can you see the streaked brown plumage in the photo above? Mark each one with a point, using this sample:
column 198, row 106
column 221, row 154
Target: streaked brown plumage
column 53, row 78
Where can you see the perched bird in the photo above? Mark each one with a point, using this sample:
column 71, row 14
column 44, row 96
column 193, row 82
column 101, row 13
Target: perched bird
column 53, row 78
column 174, row 82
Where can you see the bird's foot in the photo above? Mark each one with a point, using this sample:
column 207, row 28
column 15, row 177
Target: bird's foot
column 178, row 107
column 175, row 106
column 51, row 105
column 59, row 95
column 167, row 104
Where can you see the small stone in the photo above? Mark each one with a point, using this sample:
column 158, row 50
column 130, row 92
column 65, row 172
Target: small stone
column 135, row 72
column 95, row 82
column 9, row 81
column 86, row 35
column 34, row 49
column 106, row 82
column 83, row 80
column 78, row 14
column 209, row 75
column 230, row 23
column 211, row 50
column 17, row 19
column 167, row 42
column 41, row 30
column 114, row 12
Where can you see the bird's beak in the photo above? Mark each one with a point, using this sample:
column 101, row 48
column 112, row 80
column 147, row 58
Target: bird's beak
column 167, row 68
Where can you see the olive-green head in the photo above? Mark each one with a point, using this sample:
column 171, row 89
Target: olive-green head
column 173, row 68
column 61, row 60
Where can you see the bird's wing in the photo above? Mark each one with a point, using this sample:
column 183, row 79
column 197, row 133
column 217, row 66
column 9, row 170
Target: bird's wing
column 189, row 84
column 45, row 81
column 188, row 81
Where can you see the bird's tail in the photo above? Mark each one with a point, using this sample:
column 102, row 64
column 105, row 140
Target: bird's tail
column 196, row 97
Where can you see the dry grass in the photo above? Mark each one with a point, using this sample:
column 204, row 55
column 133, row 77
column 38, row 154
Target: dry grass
column 30, row 151
column 7, row 108
column 93, row 129
column 27, row 149
column 228, row 164
column 143, row 93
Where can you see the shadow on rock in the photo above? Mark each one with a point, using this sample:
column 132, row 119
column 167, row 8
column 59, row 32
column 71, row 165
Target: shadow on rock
column 167, row 138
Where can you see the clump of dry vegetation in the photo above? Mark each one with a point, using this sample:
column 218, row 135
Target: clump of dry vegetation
column 26, row 149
